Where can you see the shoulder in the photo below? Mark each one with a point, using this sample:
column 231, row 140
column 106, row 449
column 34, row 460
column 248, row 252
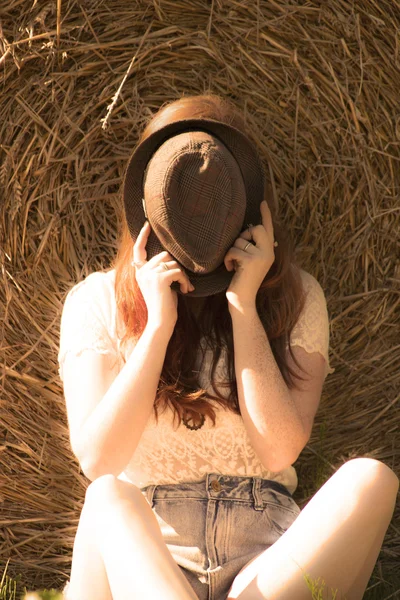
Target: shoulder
column 95, row 285
column 89, row 308
column 314, row 293
column 91, row 300
column 315, row 308
column 309, row 281
column 311, row 330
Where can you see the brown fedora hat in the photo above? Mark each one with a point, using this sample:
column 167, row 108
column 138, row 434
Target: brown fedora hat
column 199, row 183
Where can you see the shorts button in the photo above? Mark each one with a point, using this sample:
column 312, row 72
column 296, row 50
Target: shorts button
column 216, row 486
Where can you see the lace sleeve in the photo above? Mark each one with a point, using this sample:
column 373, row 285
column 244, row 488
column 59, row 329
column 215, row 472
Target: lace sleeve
column 83, row 323
column 311, row 331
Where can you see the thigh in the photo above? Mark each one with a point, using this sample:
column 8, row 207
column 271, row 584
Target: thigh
column 182, row 522
column 331, row 538
column 88, row 573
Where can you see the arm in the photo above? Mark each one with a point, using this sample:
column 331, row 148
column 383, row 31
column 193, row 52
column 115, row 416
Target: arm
column 278, row 420
column 111, row 433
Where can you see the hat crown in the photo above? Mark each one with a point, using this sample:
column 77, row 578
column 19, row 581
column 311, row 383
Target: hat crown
column 195, row 199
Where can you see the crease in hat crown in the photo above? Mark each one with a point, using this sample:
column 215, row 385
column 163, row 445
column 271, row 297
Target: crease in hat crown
column 195, row 199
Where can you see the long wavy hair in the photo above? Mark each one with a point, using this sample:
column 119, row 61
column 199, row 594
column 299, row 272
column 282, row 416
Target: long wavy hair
column 279, row 302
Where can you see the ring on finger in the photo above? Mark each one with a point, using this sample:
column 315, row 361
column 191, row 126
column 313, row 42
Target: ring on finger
column 165, row 266
column 247, row 245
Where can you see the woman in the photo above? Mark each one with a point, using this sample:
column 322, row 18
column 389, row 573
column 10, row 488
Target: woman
column 205, row 316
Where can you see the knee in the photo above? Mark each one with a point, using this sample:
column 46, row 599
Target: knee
column 104, row 486
column 370, row 474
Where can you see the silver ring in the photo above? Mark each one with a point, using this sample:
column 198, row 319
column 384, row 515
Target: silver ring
column 247, row 245
column 165, row 266
column 275, row 243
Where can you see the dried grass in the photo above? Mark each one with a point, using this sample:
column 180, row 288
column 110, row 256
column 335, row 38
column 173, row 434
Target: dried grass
column 320, row 83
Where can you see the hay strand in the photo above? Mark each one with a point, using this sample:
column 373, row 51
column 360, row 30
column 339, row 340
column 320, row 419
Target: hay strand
column 318, row 83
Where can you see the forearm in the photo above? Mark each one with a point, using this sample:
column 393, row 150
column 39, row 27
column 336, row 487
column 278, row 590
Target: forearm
column 269, row 414
column 112, row 432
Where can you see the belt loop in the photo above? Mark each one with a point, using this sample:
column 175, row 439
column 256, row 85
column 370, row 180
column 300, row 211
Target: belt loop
column 208, row 481
column 149, row 493
column 258, row 502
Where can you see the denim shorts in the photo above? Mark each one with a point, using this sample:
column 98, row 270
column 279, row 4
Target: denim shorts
column 215, row 526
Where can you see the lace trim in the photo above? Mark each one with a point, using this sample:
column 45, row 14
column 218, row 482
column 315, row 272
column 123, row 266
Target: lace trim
column 314, row 348
column 82, row 322
column 311, row 331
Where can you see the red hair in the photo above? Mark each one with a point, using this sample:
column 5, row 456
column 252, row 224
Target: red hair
column 279, row 301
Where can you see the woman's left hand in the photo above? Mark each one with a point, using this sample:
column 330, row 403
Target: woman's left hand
column 251, row 265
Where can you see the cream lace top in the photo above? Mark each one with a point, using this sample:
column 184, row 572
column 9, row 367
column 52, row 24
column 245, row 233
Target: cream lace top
column 168, row 453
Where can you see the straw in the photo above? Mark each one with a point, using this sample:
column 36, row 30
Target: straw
column 319, row 83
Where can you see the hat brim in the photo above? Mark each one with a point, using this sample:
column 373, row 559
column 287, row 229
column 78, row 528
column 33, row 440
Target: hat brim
column 253, row 177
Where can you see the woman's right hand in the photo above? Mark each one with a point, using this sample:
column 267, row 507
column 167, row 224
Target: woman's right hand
column 154, row 281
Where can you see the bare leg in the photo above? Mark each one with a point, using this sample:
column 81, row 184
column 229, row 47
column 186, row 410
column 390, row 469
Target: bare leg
column 87, row 571
column 337, row 537
column 127, row 538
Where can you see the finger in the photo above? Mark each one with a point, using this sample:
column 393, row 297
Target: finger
column 235, row 254
column 267, row 218
column 171, row 264
column 139, row 248
column 241, row 243
column 177, row 275
column 163, row 256
column 245, row 235
column 174, row 265
column 260, row 236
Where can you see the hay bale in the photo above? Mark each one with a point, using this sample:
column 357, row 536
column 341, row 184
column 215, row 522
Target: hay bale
column 318, row 82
